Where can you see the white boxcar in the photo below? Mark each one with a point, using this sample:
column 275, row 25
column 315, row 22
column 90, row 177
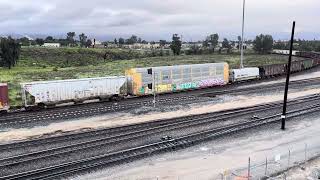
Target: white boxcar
column 73, row 90
column 285, row 52
column 244, row 74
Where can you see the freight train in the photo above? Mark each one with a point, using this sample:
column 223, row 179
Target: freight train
column 145, row 81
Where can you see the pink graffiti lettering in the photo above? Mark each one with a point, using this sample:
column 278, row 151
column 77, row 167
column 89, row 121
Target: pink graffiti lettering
column 211, row 82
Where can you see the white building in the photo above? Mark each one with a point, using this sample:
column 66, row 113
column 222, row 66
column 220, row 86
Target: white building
column 51, row 45
column 142, row 46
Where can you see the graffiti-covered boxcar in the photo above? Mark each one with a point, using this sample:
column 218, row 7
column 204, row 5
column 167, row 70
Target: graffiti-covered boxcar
column 176, row 78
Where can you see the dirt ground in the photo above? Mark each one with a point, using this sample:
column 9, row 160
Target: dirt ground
column 309, row 170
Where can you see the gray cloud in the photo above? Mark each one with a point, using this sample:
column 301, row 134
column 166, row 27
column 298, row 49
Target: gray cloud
column 155, row 19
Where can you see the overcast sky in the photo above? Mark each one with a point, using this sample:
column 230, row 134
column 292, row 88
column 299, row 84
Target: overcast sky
column 158, row 19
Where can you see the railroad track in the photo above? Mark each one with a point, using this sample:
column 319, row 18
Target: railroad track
column 146, row 125
column 87, row 110
column 137, row 130
column 70, row 168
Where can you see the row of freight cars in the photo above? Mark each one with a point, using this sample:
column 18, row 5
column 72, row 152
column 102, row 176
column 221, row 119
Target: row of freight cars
column 145, row 81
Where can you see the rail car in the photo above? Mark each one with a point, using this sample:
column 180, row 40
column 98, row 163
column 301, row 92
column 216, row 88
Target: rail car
column 244, row 74
column 50, row 93
column 139, row 82
column 313, row 55
column 272, row 70
column 176, row 78
column 4, row 97
column 285, row 52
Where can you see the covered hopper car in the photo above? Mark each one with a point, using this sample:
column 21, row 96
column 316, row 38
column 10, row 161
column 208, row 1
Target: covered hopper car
column 47, row 93
column 244, row 74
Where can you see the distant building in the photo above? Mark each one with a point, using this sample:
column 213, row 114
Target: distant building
column 97, row 44
column 142, row 46
column 51, row 45
column 245, row 45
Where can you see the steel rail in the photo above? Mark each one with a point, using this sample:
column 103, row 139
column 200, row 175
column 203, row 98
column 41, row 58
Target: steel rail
column 146, row 150
column 138, row 126
column 136, row 133
column 100, row 109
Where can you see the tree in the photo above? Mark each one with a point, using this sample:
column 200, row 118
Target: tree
column 205, row 43
column 176, row 44
column 115, row 41
column 239, row 42
column 88, row 43
column 139, row 40
column 280, row 45
column 70, row 38
column 226, row 44
column 163, row 43
column 194, row 49
column 105, row 44
column 121, row 42
column 9, row 52
column 24, row 41
column 63, row 42
column 133, row 39
column 83, row 39
column 49, row 39
column 263, row 44
column 39, row 41
column 213, row 40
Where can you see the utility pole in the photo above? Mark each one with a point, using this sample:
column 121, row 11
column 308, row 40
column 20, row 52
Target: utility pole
column 153, row 85
column 249, row 166
column 241, row 57
column 283, row 116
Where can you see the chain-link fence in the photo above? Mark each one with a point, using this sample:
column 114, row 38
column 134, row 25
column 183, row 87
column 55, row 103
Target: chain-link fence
column 274, row 166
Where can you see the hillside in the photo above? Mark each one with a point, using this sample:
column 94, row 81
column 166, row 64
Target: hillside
column 68, row 57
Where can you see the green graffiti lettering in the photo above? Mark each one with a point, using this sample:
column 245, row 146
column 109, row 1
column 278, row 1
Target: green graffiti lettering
column 174, row 87
column 187, row 86
column 142, row 90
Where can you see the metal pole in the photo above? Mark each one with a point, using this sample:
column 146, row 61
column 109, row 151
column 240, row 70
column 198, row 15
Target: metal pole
column 241, row 57
column 283, row 116
column 266, row 168
column 305, row 152
column 154, row 88
column 249, row 169
column 289, row 159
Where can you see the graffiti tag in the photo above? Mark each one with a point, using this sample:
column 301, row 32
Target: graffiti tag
column 211, row 82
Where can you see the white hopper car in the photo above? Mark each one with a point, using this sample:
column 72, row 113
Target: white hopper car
column 244, row 74
column 46, row 93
